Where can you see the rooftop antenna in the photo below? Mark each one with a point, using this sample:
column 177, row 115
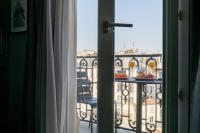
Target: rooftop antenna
column 124, row 46
column 133, row 44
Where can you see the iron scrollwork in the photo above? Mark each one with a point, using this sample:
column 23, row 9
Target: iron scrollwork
column 125, row 98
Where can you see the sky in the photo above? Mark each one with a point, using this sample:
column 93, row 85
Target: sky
column 145, row 15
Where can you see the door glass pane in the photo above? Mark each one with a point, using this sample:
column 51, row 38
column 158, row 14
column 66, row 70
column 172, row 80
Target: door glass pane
column 87, row 64
column 138, row 54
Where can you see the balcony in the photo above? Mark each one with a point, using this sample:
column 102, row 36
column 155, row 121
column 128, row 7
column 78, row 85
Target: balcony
column 126, row 102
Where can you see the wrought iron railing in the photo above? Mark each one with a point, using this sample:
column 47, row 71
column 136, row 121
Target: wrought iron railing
column 125, row 93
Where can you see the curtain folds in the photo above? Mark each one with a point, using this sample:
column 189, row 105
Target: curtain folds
column 36, row 69
column 51, row 67
column 61, row 66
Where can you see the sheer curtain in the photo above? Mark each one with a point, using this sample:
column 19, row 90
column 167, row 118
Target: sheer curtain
column 61, row 66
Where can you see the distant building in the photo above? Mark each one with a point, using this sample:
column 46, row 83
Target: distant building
column 87, row 53
column 123, row 52
column 128, row 52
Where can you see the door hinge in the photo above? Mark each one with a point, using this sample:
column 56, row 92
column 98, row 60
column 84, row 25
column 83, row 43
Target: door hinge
column 180, row 94
column 180, row 15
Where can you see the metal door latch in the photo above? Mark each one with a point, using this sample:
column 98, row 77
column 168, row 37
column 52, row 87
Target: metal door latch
column 109, row 26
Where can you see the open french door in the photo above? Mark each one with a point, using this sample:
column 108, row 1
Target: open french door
column 106, row 55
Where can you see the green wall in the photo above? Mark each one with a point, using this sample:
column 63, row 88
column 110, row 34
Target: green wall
column 13, row 94
column 12, row 75
column 17, row 58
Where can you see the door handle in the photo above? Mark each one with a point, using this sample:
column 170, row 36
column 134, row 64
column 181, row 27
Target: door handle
column 108, row 26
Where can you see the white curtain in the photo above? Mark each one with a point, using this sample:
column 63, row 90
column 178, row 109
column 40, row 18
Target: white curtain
column 61, row 116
